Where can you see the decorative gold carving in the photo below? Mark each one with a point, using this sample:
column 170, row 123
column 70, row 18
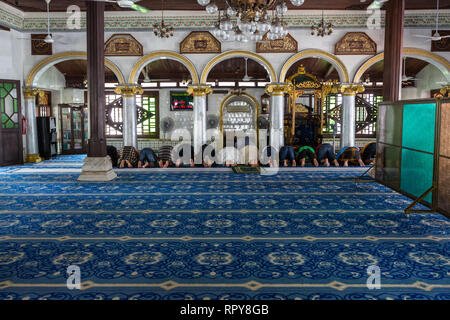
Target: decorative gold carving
column 352, row 89
column 33, row 158
column 279, row 88
column 44, row 100
column 301, row 70
column 199, row 90
column 308, row 85
column 300, row 108
column 286, row 45
column 123, row 45
column 200, row 42
column 39, row 47
column 329, row 87
column 356, row 43
column 445, row 91
column 128, row 90
column 30, row 93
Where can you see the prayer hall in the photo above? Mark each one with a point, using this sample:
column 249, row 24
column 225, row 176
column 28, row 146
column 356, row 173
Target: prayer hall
column 224, row 150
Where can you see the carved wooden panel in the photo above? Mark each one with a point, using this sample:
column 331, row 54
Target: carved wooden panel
column 39, row 47
column 123, row 45
column 442, row 45
column 286, row 45
column 200, row 42
column 356, row 43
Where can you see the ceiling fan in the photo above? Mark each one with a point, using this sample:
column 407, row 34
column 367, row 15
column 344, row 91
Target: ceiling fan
column 147, row 77
column 436, row 36
column 145, row 73
column 49, row 38
column 126, row 4
column 246, row 77
column 405, row 78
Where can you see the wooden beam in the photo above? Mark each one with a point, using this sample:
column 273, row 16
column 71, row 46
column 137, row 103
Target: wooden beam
column 393, row 45
column 96, row 77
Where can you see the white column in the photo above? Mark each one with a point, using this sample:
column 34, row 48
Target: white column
column 129, row 121
column 277, row 101
column 348, row 114
column 348, row 117
column 200, row 93
column 129, row 113
column 30, row 115
column 277, row 121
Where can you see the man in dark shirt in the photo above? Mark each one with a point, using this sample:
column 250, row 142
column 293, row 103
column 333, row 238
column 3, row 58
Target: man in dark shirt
column 287, row 154
column 179, row 161
column 306, row 152
column 128, row 156
column 147, row 158
column 165, row 156
column 325, row 155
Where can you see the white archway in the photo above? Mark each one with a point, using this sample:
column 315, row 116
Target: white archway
column 39, row 69
column 315, row 53
column 157, row 55
column 441, row 63
column 239, row 54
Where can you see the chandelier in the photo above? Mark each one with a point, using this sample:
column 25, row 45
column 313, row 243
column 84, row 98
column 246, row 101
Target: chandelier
column 322, row 28
column 250, row 20
column 161, row 29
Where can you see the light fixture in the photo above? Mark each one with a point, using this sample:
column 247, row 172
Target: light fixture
column 212, row 8
column 203, row 2
column 322, row 28
column 161, row 29
column 252, row 19
column 297, row 3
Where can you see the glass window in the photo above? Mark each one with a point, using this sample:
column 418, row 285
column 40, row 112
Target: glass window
column 149, row 126
column 115, row 115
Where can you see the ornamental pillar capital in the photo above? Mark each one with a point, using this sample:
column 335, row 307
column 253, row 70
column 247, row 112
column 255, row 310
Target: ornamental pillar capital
column 199, row 90
column 352, row 89
column 330, row 87
column 128, row 90
column 278, row 89
column 445, row 91
column 31, row 92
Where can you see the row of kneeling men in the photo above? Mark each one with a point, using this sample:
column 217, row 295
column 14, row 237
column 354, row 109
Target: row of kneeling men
column 183, row 155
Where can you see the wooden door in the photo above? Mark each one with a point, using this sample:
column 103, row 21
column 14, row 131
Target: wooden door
column 11, row 150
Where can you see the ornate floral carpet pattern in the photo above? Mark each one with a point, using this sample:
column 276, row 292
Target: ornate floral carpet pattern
column 216, row 235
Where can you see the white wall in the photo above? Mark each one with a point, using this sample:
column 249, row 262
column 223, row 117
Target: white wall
column 77, row 42
column 429, row 78
column 11, row 61
column 52, row 79
column 16, row 60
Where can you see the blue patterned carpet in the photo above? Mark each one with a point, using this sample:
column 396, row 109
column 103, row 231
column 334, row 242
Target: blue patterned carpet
column 215, row 235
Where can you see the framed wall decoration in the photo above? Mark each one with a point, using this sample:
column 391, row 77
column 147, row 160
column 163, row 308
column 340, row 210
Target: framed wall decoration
column 39, row 47
column 286, row 45
column 355, row 43
column 200, row 42
column 442, row 45
column 123, row 45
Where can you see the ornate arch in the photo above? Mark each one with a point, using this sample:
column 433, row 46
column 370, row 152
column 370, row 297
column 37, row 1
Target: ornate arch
column 239, row 54
column 48, row 62
column 315, row 53
column 157, row 55
column 441, row 63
